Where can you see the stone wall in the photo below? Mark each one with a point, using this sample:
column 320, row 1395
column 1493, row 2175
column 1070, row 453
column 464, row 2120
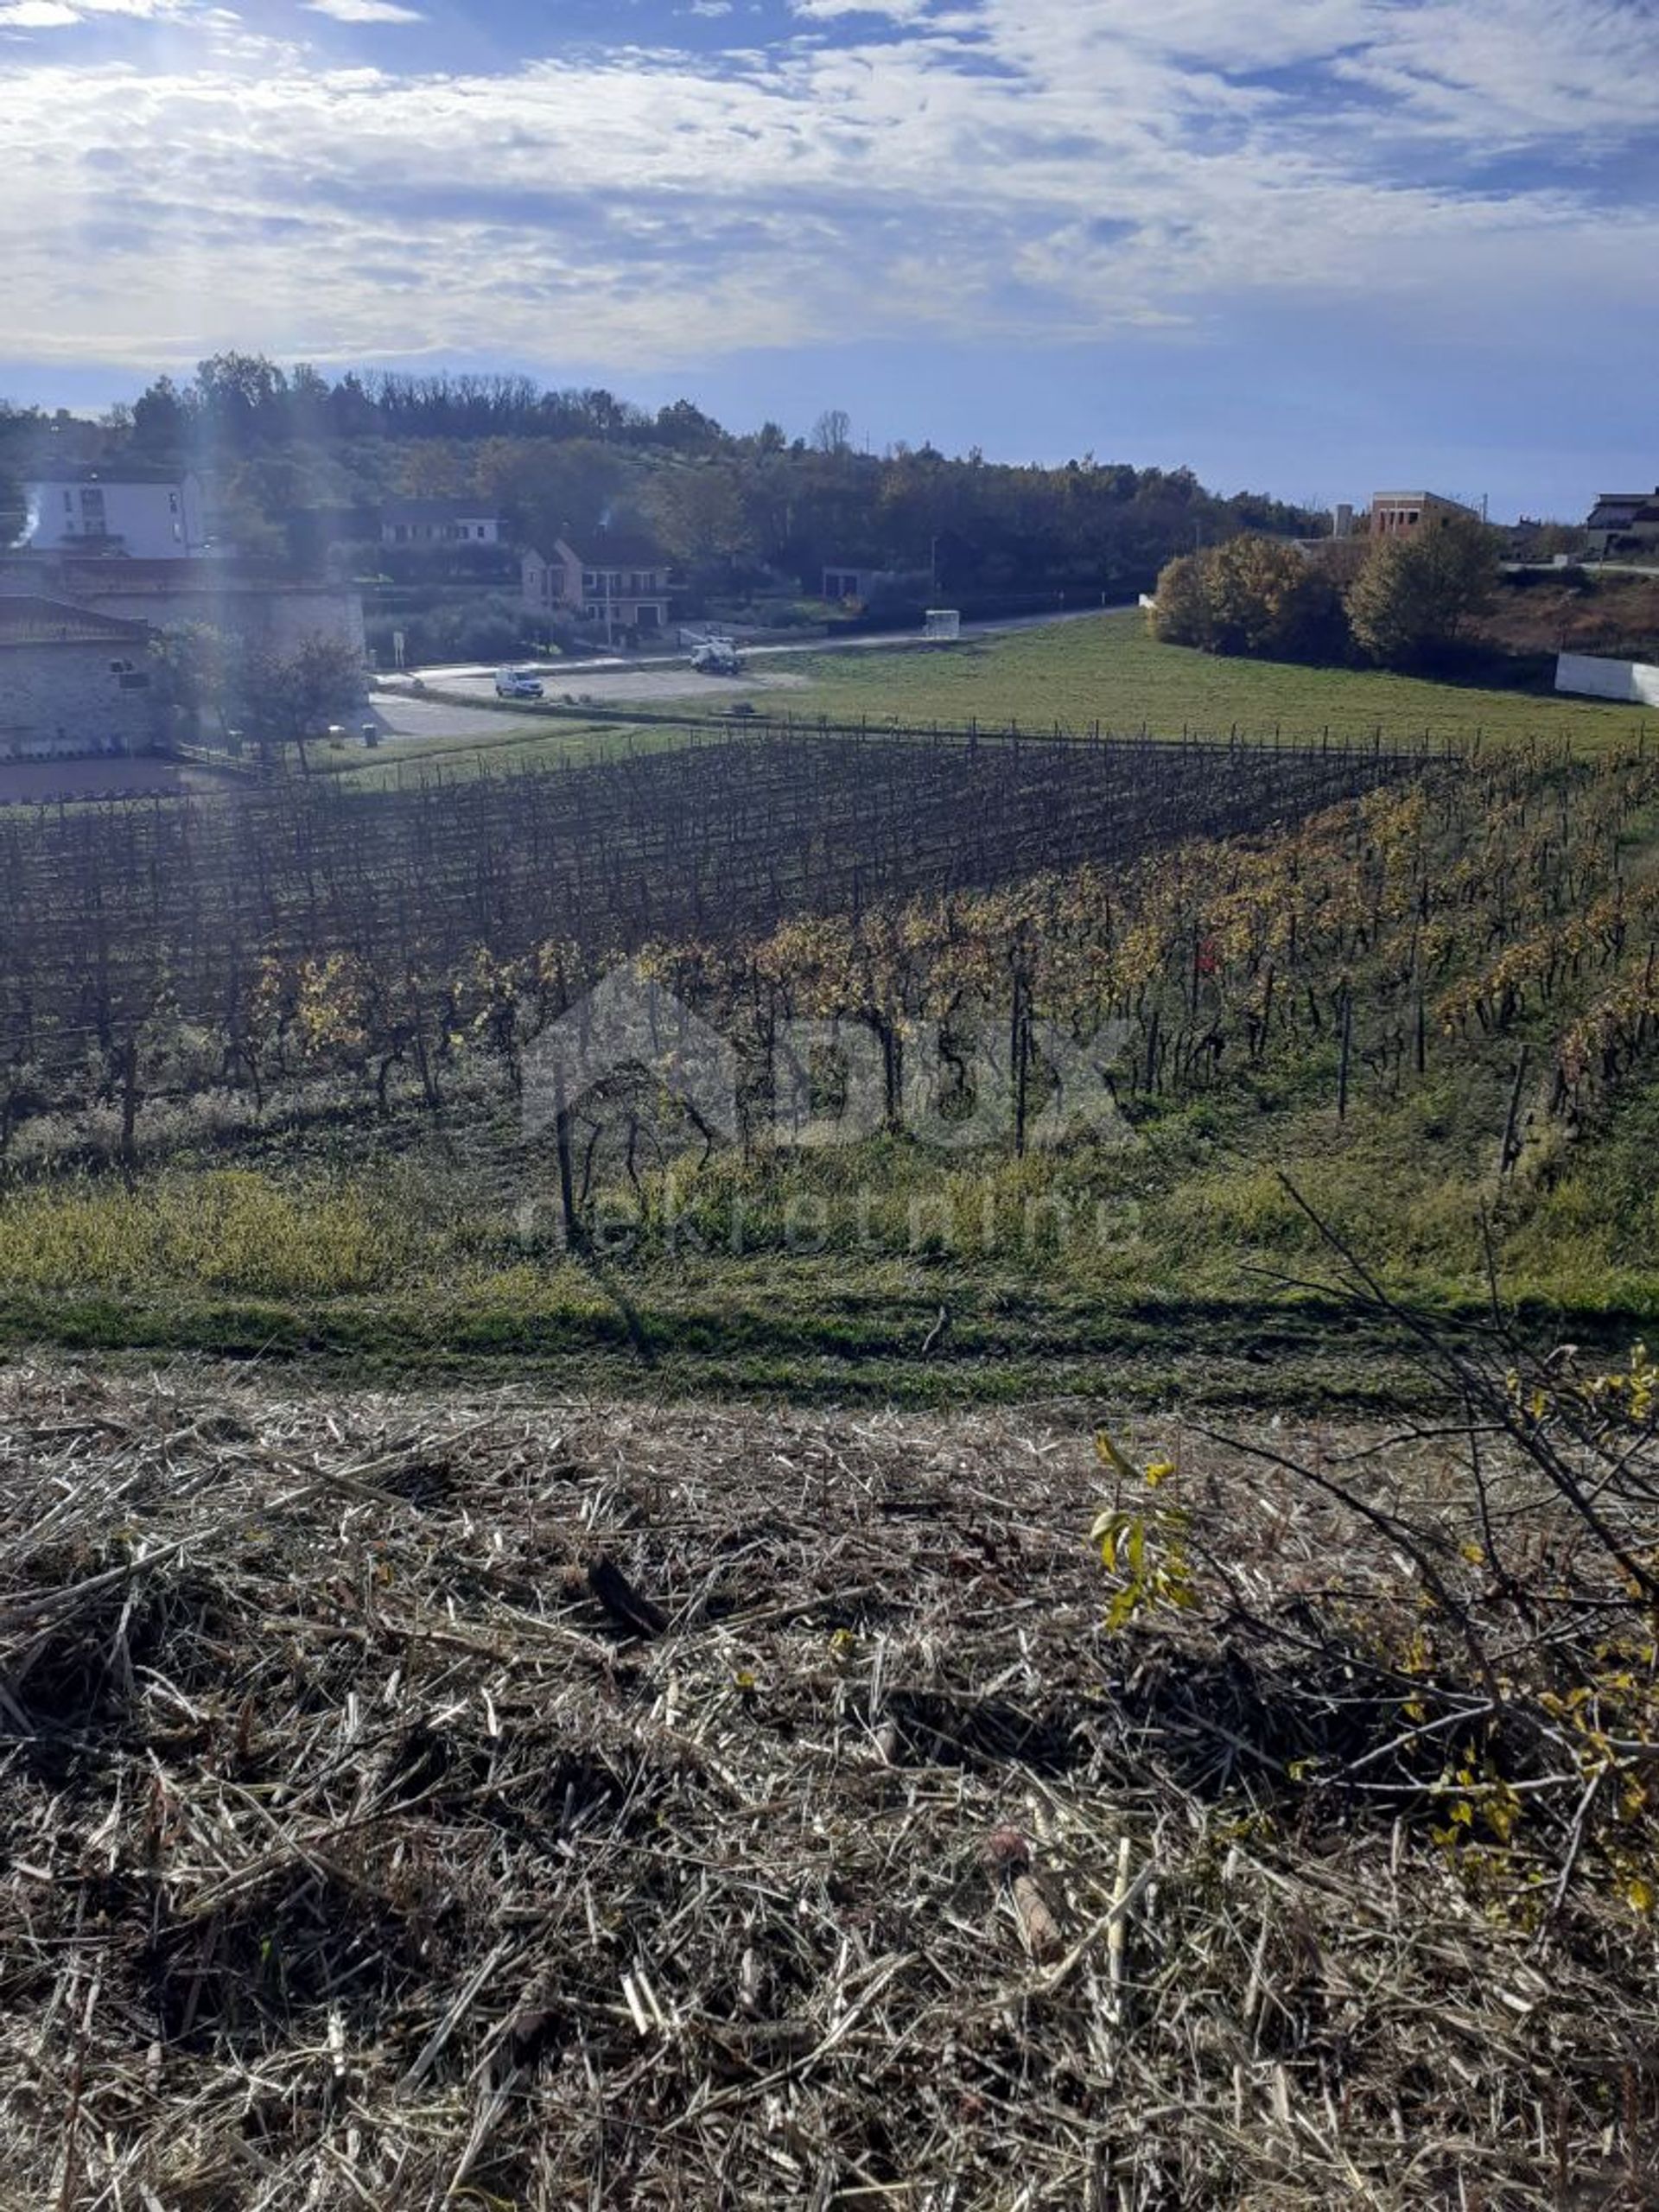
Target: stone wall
column 280, row 617
column 62, row 699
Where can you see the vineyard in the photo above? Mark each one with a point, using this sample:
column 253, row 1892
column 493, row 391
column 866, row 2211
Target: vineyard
column 126, row 928
column 285, row 1051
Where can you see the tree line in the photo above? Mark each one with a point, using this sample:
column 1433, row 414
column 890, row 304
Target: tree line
column 1403, row 602
column 282, row 448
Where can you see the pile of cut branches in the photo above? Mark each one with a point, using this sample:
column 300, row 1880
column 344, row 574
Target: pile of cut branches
column 414, row 1802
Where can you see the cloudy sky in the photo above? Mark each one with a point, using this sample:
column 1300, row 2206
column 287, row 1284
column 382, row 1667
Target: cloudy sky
column 1313, row 246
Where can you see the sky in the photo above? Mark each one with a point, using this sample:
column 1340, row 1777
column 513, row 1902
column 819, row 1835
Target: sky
column 1314, row 247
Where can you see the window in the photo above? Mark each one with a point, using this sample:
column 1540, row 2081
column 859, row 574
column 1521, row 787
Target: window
column 172, row 503
column 590, row 581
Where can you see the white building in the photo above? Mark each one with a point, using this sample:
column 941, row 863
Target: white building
column 439, row 522
column 91, row 511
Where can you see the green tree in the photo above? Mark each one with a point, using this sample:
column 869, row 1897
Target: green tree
column 289, row 698
column 161, row 421
column 550, row 490
column 1268, row 601
column 698, row 511
column 199, row 674
column 1416, row 596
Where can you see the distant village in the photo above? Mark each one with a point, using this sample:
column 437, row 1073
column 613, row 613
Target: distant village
column 111, row 560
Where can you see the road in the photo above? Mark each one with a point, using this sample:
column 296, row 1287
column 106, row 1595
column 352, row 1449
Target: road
column 643, row 679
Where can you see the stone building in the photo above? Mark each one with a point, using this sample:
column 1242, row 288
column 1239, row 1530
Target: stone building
column 267, row 610
column 71, row 680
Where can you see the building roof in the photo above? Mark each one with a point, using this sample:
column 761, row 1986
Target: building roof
column 110, row 473
column 437, row 511
column 113, row 575
column 26, row 619
column 1421, row 500
column 1614, row 507
column 616, row 549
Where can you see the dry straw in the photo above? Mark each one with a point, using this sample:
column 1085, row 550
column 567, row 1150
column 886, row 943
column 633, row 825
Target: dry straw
column 493, row 1803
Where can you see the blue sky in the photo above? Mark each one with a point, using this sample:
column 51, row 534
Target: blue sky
column 1313, row 246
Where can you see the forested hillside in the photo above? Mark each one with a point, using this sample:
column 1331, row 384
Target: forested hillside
column 296, row 461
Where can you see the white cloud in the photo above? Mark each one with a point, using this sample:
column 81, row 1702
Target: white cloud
column 365, row 11
column 56, row 14
column 895, row 11
column 1017, row 165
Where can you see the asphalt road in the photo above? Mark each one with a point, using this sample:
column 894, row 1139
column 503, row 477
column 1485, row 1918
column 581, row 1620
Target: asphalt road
column 639, row 679
column 400, row 716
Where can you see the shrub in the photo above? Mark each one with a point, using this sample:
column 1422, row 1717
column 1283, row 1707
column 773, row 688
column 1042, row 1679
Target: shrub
column 1416, row 596
column 1252, row 595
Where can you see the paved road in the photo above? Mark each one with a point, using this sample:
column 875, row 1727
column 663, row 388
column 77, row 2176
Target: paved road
column 400, row 716
column 645, row 685
column 644, row 679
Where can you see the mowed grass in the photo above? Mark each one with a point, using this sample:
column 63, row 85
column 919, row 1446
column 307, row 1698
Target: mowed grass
column 1100, row 669
column 1106, row 668
column 559, row 744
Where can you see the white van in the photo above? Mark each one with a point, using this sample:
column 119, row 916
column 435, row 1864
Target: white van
column 518, row 683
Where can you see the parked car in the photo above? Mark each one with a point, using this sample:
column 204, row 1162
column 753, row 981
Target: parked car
column 518, row 683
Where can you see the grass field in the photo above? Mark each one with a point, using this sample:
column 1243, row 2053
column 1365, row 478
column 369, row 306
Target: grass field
column 1103, row 669
column 1109, row 670
column 1177, row 1270
column 562, row 744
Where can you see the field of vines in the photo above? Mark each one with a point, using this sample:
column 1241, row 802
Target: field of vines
column 1426, row 987
column 183, row 944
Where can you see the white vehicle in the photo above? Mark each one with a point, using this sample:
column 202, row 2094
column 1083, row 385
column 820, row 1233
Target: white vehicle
column 716, row 657
column 518, row 683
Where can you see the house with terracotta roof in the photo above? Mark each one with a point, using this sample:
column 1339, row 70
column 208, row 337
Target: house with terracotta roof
column 615, row 582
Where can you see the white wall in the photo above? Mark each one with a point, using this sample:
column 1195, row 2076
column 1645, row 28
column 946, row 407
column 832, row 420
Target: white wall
column 1635, row 681
column 463, row 530
column 151, row 522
